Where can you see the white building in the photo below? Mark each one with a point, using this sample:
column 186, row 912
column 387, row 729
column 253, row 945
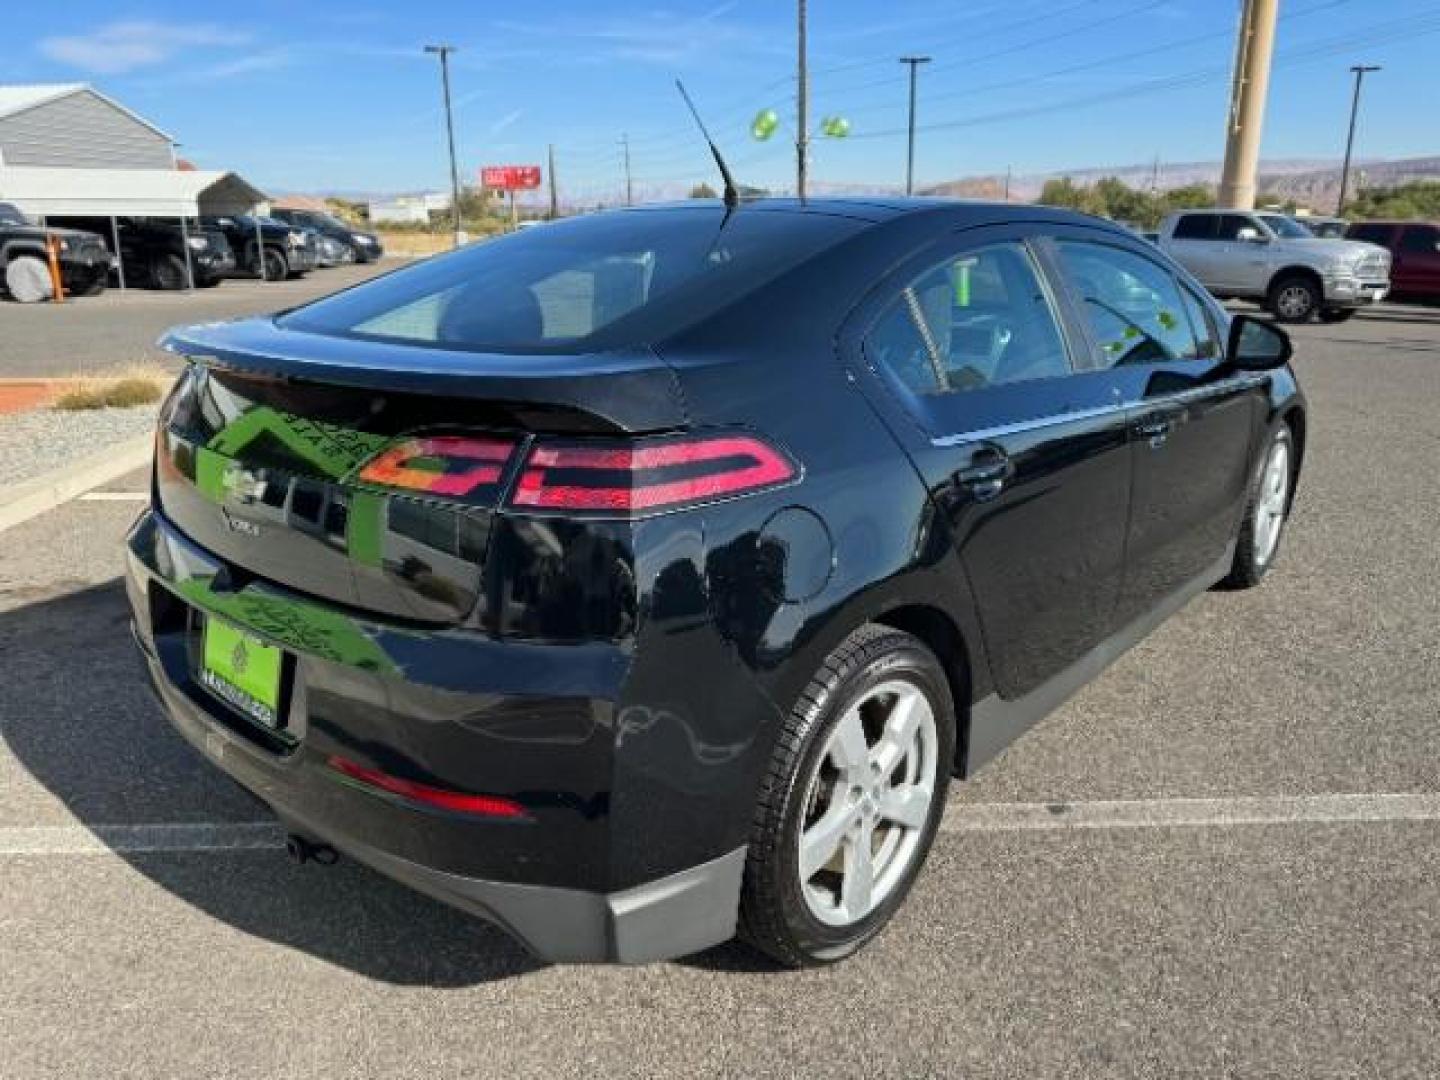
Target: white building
column 68, row 150
column 413, row 208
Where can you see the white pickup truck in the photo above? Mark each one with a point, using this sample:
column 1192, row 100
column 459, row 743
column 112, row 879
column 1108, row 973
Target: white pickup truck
column 1276, row 261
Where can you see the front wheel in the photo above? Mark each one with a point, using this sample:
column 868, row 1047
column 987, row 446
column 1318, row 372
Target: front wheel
column 851, row 802
column 27, row 279
column 276, row 268
column 1337, row 314
column 1265, row 513
column 1295, row 299
column 168, row 273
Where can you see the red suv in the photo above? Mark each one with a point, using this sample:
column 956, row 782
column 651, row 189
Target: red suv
column 1415, row 248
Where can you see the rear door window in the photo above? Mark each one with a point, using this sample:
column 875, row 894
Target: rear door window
column 1419, row 239
column 977, row 320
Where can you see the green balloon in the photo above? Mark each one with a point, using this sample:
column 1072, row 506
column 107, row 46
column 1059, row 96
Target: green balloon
column 765, row 124
column 835, row 127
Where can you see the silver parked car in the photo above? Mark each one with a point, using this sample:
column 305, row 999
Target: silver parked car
column 1274, row 260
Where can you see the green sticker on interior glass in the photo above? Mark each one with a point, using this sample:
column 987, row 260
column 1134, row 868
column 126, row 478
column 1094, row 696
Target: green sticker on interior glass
column 242, row 671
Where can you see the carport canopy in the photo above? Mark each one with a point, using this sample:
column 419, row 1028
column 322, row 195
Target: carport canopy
column 67, row 192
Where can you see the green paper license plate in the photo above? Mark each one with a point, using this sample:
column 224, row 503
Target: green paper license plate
column 242, row 671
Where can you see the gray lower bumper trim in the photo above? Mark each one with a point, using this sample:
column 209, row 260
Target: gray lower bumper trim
column 673, row 916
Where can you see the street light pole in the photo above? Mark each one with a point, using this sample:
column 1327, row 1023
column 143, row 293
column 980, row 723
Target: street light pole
column 1360, row 70
column 914, row 62
column 444, row 51
column 802, row 103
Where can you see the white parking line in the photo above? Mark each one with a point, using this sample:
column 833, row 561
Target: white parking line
column 115, row 496
column 959, row 817
column 129, row 839
column 1211, row 813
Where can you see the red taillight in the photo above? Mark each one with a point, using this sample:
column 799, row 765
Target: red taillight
column 648, row 476
column 482, row 805
column 453, row 465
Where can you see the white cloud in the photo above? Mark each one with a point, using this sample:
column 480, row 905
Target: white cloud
column 505, row 121
column 124, row 46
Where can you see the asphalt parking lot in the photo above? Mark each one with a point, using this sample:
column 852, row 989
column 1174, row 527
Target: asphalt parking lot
column 1221, row 859
column 86, row 335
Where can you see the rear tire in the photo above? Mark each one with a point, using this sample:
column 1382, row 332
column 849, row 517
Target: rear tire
column 1295, row 299
column 1336, row 315
column 1266, row 511
column 27, row 279
column 851, row 802
column 94, row 287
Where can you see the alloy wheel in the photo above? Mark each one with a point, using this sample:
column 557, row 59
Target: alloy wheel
column 1271, row 505
column 867, row 803
column 1294, row 302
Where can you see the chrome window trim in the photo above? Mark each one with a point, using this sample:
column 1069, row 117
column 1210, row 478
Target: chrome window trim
column 1179, row 397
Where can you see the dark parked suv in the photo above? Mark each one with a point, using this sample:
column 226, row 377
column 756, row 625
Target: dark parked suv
column 1415, row 249
column 25, row 258
column 365, row 245
column 646, row 577
column 288, row 253
column 153, row 251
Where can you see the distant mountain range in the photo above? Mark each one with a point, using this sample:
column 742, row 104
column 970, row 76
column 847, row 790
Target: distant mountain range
column 1309, row 182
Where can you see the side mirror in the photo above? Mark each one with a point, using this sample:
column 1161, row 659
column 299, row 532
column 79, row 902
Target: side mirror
column 1250, row 235
column 1256, row 345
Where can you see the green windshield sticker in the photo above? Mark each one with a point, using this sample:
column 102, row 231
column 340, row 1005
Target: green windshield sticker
column 962, row 283
column 365, row 529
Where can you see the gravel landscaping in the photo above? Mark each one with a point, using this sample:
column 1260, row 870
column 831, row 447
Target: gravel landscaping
column 34, row 443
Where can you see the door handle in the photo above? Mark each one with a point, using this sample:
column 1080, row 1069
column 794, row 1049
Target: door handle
column 984, row 478
column 1155, row 428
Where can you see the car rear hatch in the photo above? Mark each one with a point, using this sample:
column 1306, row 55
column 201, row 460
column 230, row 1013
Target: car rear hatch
column 369, row 474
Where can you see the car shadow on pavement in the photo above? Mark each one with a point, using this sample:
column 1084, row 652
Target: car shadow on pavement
column 78, row 717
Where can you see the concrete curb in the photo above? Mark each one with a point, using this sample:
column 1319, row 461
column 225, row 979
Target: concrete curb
column 23, row 501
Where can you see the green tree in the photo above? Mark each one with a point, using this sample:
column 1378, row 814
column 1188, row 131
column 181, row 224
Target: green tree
column 702, row 191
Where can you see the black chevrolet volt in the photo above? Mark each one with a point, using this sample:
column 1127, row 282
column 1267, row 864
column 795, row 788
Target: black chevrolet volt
column 642, row 580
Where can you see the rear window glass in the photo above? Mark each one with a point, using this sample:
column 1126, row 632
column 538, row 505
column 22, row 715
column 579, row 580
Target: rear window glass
column 607, row 279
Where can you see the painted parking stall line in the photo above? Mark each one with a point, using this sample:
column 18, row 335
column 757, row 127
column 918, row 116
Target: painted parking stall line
column 115, row 496
column 137, row 839
column 959, row 818
column 1191, row 813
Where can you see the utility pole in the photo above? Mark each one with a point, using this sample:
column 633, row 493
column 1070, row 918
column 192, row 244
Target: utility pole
column 444, row 51
column 914, row 62
column 802, row 100
column 629, row 189
column 1251, row 84
column 554, row 191
column 1360, row 70
column 1007, row 183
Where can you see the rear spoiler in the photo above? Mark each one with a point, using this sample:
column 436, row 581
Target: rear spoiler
column 632, row 390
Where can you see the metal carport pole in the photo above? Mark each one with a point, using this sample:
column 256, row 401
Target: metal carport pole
column 185, row 241
column 259, row 245
column 119, row 260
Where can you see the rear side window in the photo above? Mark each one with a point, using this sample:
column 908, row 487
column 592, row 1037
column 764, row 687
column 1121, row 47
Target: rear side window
column 1376, row 234
column 1229, row 226
column 979, row 319
column 619, row 278
column 1134, row 305
column 1418, row 238
column 1195, row 227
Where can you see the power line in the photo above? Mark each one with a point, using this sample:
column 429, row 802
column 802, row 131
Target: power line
column 1382, row 32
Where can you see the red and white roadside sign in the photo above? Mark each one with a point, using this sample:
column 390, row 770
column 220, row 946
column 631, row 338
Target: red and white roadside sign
column 510, row 177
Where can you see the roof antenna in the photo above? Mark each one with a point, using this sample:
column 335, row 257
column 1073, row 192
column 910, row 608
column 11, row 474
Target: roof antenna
column 732, row 194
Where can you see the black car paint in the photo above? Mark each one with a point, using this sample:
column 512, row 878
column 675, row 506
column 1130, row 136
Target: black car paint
column 623, row 680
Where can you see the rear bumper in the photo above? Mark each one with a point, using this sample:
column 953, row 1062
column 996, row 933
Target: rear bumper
column 547, row 880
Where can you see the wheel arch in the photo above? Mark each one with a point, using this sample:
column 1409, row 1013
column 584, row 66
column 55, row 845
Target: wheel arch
column 943, row 637
column 1296, row 270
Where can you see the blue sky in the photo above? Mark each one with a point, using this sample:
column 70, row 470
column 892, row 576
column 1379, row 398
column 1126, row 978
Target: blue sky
column 340, row 96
